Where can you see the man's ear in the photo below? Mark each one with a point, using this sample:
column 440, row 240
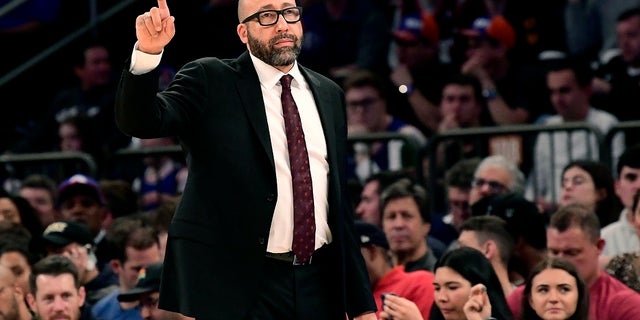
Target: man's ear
column 82, row 294
column 242, row 33
column 490, row 249
column 600, row 245
column 31, row 300
column 115, row 265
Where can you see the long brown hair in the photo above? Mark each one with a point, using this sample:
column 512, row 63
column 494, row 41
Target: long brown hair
column 582, row 307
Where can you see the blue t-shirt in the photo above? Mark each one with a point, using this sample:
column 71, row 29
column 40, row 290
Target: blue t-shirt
column 108, row 308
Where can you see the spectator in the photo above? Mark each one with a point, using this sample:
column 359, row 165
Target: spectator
column 525, row 224
column 40, row 191
column 620, row 236
column 406, row 222
column 15, row 253
column 73, row 240
column 161, row 218
column 136, row 246
column 591, row 184
column 458, row 184
column 626, row 266
column 13, row 305
column 162, row 177
column 456, row 273
column 462, row 106
column 555, row 284
column 80, row 199
column 489, row 235
column 147, row 293
column 55, row 278
column 93, row 96
column 367, row 112
column 416, row 286
column 617, row 82
column 496, row 175
column 574, row 233
column 79, row 134
column 418, row 73
column 368, row 209
column 591, row 26
column 512, row 90
column 569, row 83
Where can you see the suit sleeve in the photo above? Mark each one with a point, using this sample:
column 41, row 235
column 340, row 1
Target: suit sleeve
column 144, row 112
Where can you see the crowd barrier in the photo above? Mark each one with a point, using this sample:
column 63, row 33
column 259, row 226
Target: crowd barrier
column 516, row 142
column 57, row 165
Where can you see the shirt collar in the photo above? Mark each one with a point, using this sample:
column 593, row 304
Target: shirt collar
column 269, row 76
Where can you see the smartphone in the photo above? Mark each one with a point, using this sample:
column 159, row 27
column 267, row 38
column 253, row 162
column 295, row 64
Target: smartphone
column 382, row 296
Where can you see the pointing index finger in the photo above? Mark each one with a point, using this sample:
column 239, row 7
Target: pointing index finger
column 478, row 289
column 162, row 4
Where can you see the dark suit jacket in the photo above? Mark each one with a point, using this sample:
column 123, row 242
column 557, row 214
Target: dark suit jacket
column 218, row 237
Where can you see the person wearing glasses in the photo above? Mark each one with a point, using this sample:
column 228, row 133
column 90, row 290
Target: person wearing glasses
column 231, row 252
column 496, row 175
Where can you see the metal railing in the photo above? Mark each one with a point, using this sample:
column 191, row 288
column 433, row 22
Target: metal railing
column 14, row 164
column 57, row 165
column 407, row 156
column 524, row 137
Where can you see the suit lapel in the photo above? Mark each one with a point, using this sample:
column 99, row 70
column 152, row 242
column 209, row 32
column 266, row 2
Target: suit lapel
column 326, row 108
column 248, row 86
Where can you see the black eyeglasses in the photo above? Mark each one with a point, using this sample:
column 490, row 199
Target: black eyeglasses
column 270, row 17
column 494, row 186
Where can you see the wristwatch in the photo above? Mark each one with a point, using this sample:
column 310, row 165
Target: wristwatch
column 490, row 93
column 405, row 89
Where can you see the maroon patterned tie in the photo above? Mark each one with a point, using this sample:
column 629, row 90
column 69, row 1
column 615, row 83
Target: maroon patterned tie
column 304, row 225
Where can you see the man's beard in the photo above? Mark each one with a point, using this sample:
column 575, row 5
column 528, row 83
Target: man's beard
column 275, row 56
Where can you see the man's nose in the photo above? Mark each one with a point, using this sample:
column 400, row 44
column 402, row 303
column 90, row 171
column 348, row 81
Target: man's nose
column 282, row 24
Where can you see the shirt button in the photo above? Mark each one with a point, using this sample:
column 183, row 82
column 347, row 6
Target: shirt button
column 261, row 240
column 271, row 197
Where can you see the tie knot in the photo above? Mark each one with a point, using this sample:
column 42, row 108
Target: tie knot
column 285, row 81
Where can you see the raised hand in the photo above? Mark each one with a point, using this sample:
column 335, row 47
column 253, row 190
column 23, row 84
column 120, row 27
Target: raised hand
column 399, row 308
column 478, row 306
column 155, row 28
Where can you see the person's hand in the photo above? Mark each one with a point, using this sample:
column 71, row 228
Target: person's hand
column 475, row 67
column 401, row 75
column 399, row 308
column 79, row 256
column 449, row 122
column 478, row 306
column 155, row 28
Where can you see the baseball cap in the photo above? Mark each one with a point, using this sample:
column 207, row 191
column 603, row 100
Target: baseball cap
column 417, row 26
column 80, row 184
column 62, row 233
column 369, row 234
column 496, row 28
column 522, row 216
column 148, row 281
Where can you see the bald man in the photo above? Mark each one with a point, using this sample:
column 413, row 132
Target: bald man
column 261, row 133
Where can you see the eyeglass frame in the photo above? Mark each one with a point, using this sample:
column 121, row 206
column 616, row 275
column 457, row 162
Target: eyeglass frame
column 278, row 14
column 494, row 186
